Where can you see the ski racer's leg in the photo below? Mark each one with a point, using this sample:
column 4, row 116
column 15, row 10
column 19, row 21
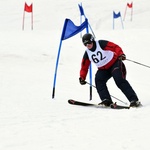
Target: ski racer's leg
column 101, row 78
column 118, row 73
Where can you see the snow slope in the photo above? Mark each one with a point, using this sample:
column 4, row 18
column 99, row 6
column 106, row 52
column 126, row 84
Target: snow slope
column 29, row 117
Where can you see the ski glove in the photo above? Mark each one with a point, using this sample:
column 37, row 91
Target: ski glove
column 82, row 81
column 122, row 57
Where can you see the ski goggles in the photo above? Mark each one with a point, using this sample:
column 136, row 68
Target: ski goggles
column 87, row 42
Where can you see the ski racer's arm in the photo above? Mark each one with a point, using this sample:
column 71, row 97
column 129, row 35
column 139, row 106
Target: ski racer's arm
column 84, row 66
column 107, row 45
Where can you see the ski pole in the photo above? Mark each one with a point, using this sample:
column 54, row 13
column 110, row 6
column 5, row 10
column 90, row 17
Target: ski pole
column 138, row 63
column 110, row 95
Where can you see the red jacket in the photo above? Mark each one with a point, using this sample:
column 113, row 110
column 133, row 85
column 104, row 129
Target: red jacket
column 105, row 45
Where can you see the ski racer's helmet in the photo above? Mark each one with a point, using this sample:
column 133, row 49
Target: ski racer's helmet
column 87, row 38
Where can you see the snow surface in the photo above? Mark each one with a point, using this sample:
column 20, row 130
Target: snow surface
column 29, row 118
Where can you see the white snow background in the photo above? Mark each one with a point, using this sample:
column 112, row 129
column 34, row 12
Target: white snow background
column 29, row 118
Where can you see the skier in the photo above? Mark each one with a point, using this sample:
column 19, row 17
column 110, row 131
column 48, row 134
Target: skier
column 108, row 57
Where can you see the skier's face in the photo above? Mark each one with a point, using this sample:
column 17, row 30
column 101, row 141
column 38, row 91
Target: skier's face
column 89, row 45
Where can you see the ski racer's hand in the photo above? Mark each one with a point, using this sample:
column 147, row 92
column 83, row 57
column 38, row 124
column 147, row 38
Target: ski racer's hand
column 82, row 81
column 122, row 57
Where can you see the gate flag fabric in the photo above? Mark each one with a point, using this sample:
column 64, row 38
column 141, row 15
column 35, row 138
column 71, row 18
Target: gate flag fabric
column 70, row 29
column 27, row 8
column 116, row 15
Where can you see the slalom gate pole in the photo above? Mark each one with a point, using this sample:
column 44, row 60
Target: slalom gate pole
column 110, row 95
column 138, row 63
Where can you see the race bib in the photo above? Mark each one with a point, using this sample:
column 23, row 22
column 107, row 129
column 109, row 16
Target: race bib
column 100, row 57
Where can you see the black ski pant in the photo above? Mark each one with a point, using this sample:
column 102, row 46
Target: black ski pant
column 118, row 72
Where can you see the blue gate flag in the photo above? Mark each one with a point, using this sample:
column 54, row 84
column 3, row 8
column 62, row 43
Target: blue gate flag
column 70, row 29
column 83, row 14
column 81, row 10
column 116, row 15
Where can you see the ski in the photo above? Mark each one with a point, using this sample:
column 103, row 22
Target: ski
column 113, row 106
